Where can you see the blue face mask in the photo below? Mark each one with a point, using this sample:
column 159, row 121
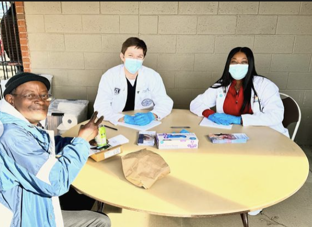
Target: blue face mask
column 133, row 65
column 238, row 71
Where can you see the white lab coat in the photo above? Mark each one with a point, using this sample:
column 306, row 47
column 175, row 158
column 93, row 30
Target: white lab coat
column 268, row 95
column 113, row 90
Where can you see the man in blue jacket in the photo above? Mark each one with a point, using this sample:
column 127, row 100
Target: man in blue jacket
column 31, row 177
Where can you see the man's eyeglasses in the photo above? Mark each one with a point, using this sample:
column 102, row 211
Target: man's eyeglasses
column 33, row 97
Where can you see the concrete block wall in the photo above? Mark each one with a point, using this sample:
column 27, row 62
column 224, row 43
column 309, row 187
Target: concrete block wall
column 188, row 43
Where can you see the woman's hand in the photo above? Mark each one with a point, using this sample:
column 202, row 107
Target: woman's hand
column 225, row 119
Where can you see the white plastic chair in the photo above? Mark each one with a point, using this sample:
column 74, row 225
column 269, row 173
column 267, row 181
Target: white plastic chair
column 292, row 113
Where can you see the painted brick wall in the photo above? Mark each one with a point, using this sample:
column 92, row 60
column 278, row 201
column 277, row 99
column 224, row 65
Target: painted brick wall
column 187, row 42
column 22, row 30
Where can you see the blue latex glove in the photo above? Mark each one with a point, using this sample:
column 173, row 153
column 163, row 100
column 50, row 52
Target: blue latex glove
column 143, row 118
column 216, row 120
column 225, row 119
column 129, row 119
column 184, row 131
column 229, row 118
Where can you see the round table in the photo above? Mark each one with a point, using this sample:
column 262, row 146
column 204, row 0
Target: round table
column 214, row 179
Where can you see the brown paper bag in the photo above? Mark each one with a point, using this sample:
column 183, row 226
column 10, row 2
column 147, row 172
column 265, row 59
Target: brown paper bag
column 143, row 168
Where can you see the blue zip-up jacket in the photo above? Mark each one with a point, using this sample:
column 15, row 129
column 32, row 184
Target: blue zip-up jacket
column 31, row 178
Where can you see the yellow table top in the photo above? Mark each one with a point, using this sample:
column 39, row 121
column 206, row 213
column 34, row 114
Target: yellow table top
column 212, row 180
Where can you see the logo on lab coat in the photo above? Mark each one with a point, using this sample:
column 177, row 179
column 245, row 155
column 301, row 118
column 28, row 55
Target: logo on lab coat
column 147, row 102
column 116, row 90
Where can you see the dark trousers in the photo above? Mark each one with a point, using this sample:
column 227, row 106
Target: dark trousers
column 72, row 200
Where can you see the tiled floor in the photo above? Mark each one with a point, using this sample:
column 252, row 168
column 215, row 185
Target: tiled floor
column 295, row 211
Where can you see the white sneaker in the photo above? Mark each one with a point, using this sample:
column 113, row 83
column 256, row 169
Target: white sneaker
column 255, row 212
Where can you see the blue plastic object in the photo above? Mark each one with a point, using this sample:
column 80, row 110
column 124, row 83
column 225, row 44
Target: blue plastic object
column 176, row 136
column 184, row 131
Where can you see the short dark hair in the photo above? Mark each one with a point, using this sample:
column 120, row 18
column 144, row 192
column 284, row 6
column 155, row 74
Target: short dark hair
column 134, row 41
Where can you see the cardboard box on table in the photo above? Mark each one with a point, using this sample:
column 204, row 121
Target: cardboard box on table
column 106, row 153
column 177, row 141
column 114, row 149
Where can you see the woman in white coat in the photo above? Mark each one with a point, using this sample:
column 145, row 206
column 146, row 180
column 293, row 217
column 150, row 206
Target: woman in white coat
column 131, row 86
column 241, row 96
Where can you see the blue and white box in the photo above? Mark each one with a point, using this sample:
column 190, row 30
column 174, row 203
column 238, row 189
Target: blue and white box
column 177, row 141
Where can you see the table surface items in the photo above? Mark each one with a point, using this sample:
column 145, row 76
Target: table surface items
column 214, row 179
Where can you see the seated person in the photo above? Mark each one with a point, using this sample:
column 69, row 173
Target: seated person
column 131, row 86
column 241, row 96
column 34, row 177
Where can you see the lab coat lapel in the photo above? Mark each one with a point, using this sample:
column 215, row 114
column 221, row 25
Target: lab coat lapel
column 140, row 86
column 122, row 84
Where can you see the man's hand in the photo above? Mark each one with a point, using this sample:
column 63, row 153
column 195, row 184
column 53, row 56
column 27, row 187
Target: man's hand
column 90, row 130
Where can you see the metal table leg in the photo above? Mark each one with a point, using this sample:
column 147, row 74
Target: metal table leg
column 244, row 217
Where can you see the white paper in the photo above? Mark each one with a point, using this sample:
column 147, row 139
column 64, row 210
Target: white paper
column 208, row 123
column 70, row 120
column 61, row 129
column 117, row 140
column 152, row 124
column 93, row 151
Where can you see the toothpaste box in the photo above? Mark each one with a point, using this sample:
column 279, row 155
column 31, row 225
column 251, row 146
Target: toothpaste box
column 176, row 140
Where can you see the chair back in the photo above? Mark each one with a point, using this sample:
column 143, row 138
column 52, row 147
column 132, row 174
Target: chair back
column 292, row 113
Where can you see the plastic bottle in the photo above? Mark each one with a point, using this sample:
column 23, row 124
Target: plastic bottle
column 101, row 136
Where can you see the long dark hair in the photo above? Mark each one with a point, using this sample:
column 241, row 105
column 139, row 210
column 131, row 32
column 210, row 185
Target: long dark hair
column 227, row 79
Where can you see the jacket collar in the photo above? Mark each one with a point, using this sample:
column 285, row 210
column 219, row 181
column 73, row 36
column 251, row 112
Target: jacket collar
column 9, row 115
column 6, row 107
